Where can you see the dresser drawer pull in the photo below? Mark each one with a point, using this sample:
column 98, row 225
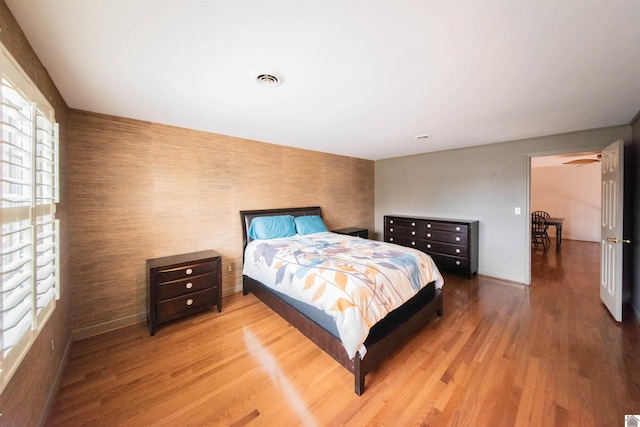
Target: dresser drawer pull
column 189, row 285
column 413, row 224
column 457, row 239
column 413, row 243
column 189, row 301
column 428, row 245
column 457, row 262
column 457, row 228
column 390, row 221
column 413, row 233
column 189, row 271
column 391, row 230
column 391, row 239
column 428, row 225
column 457, row 251
column 428, row 234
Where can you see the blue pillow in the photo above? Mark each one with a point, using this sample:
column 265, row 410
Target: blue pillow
column 308, row 224
column 271, row 227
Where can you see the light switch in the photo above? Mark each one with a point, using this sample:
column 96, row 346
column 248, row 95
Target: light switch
column 517, row 211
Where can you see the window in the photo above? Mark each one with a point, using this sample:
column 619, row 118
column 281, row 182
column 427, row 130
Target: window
column 28, row 197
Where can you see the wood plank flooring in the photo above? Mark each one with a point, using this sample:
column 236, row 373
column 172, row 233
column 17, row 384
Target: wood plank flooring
column 502, row 355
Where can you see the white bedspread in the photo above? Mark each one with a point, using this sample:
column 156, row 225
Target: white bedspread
column 356, row 281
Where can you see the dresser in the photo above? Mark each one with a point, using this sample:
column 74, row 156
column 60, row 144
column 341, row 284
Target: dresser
column 452, row 243
column 181, row 285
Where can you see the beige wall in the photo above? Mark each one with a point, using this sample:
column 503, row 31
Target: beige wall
column 25, row 399
column 140, row 190
column 570, row 192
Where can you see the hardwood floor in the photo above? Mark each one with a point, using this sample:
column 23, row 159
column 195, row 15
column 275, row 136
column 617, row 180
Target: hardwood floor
column 502, row 355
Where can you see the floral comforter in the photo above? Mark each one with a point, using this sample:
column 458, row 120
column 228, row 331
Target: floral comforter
column 356, row 281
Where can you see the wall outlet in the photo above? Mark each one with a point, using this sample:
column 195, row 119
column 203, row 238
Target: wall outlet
column 517, row 210
column 229, row 268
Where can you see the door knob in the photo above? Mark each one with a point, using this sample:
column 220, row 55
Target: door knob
column 615, row 240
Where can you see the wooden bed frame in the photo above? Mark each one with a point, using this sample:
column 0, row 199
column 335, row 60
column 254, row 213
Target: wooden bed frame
column 393, row 330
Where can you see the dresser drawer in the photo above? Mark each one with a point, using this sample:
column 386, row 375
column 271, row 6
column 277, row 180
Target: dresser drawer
column 403, row 241
column 444, row 248
column 450, row 263
column 444, row 236
column 175, row 288
column 186, row 304
column 398, row 230
column 401, row 222
column 185, row 271
column 443, row 226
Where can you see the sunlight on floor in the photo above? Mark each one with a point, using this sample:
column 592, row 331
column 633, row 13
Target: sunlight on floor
column 268, row 364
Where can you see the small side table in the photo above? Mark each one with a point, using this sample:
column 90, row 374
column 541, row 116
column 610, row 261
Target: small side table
column 353, row 231
column 184, row 284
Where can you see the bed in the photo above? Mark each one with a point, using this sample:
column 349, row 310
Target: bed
column 389, row 332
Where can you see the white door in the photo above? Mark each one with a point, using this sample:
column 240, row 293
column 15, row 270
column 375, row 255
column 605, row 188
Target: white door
column 611, row 231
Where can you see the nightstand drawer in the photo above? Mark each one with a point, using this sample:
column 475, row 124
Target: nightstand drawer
column 186, row 304
column 185, row 271
column 176, row 288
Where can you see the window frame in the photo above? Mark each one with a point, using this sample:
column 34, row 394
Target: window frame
column 29, row 193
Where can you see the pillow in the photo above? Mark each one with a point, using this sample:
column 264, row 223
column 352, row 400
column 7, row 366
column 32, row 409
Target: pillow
column 271, row 227
column 308, row 224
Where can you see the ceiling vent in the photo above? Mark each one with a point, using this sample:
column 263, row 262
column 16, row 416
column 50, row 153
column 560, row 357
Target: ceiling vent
column 270, row 79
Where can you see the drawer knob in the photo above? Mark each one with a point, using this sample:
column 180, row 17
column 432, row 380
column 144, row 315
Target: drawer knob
column 189, row 271
column 457, row 239
column 391, row 230
column 428, row 234
column 390, row 221
column 457, row 262
column 391, row 239
column 413, row 224
column 189, row 301
column 189, row 285
column 457, row 251
column 457, row 228
column 413, row 243
column 428, row 225
column 413, row 233
column 428, row 245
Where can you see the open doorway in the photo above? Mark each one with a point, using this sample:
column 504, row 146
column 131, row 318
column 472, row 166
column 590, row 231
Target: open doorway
column 567, row 186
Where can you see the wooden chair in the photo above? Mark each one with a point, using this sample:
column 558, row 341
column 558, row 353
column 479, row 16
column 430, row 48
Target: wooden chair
column 542, row 214
column 539, row 228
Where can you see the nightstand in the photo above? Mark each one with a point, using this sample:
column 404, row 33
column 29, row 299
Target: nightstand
column 181, row 285
column 353, row 231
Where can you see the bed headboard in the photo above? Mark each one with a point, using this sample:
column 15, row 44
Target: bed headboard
column 247, row 216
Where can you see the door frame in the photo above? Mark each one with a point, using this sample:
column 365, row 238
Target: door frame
column 527, row 191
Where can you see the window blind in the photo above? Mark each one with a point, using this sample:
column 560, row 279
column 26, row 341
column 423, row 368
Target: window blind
column 29, row 193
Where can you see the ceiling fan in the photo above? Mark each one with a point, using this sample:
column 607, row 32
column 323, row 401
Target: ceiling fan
column 584, row 161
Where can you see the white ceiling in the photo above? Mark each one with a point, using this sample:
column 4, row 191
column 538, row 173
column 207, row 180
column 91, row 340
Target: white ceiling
column 362, row 78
